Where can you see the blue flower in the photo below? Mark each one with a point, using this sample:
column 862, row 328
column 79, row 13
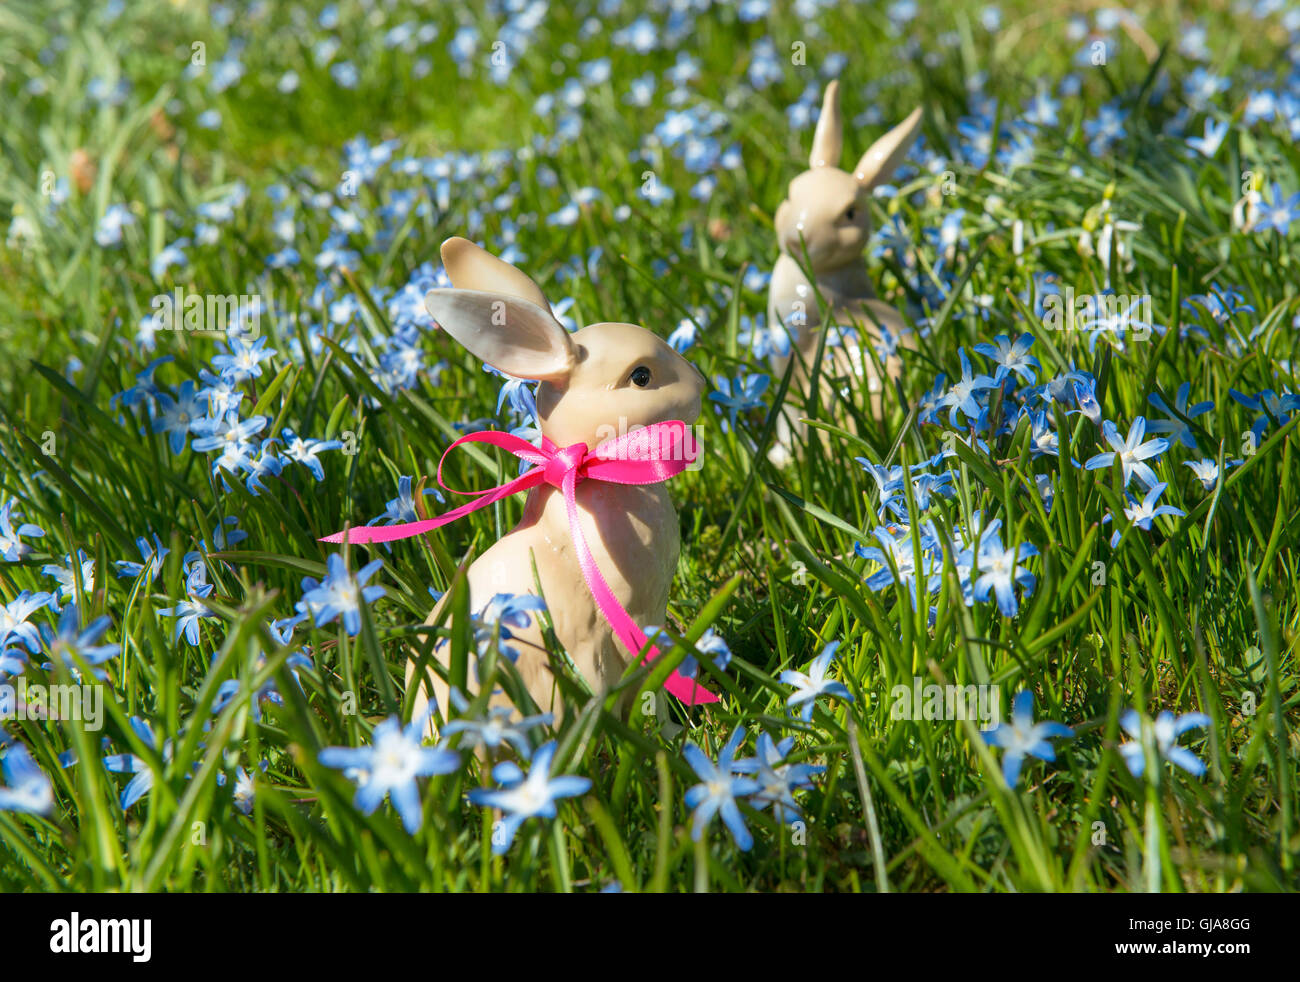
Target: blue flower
column 267, row 462
column 1042, row 109
column 897, row 561
column 1167, row 729
column 226, row 432
column 282, row 631
column 1131, row 452
column 756, row 279
column 243, row 792
column 142, row 781
column 1262, row 105
column 223, row 539
column 12, row 662
column 961, row 397
column 334, row 255
column 152, row 554
column 1208, row 145
column 947, row 236
column 229, row 689
column 1019, row 152
column 1023, row 737
column 1043, row 440
column 1221, row 305
column 196, row 575
column 711, row 644
column 1179, row 431
column 66, row 577
column 1011, row 356
column 642, row 36
column 928, row 406
column 496, row 728
column 1141, row 513
column 1270, row 405
column 340, row 594
column 390, row 766
column 226, row 71
column 888, row 479
column 345, row 74
column 720, row 786
column 1207, row 471
column 1108, row 127
column 762, row 340
column 71, row 639
column 221, row 396
column 109, row 231
column 27, row 790
column 493, row 623
column 777, row 781
column 14, row 627
column 1108, row 317
column 1202, row 86
column 1085, row 394
column 188, row 613
column 1280, row 212
column 741, row 394
column 683, row 336
column 925, row 487
column 521, row 396
column 815, row 683
column 525, row 797
column 304, row 451
column 12, row 548
column 288, row 256
column 641, row 90
column 511, row 609
column 402, row 508
column 169, row 256
column 1000, row 572
column 244, row 361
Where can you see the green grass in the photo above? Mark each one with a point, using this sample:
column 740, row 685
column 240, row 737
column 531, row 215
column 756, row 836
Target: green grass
column 1199, row 614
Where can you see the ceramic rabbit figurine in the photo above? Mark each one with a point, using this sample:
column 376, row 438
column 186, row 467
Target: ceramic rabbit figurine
column 825, row 222
column 604, row 378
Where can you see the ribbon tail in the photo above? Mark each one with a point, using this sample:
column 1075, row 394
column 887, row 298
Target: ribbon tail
column 632, row 637
column 387, row 533
column 687, row 690
column 382, row 533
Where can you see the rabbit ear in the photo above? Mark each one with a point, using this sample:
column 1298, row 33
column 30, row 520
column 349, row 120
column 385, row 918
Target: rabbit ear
column 472, row 268
column 828, row 138
column 878, row 163
column 514, row 336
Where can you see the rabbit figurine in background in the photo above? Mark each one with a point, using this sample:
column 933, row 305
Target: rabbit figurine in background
column 824, row 223
column 604, row 378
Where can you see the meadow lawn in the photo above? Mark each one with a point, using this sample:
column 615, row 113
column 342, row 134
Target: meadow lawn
column 1079, row 507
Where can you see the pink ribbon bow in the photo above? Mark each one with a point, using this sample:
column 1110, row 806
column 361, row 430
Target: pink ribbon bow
column 646, row 456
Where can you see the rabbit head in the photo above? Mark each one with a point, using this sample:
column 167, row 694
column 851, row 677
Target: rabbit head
column 596, row 383
column 827, row 208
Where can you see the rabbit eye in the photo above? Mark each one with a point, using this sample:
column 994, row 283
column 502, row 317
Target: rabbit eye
column 640, row 376
column 850, row 213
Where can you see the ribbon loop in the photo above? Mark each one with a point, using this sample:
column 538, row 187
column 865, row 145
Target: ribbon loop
column 648, row 455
